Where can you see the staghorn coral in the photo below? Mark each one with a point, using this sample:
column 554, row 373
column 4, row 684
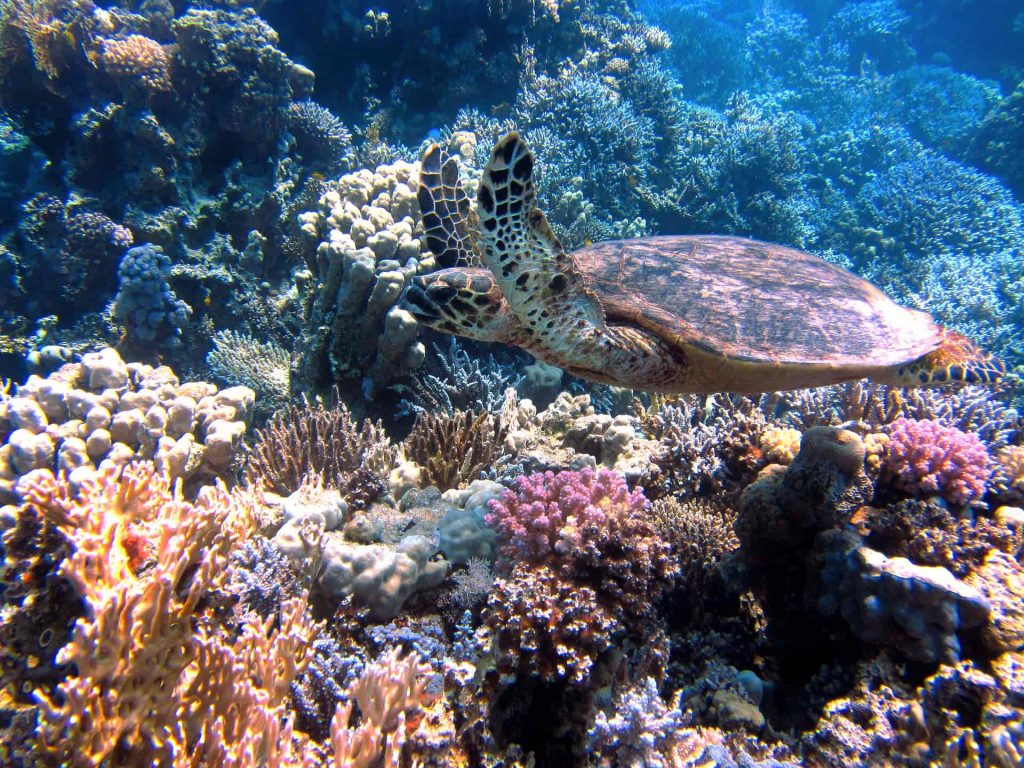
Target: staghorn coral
column 927, row 458
column 309, row 439
column 138, row 61
column 461, row 382
column 453, row 450
column 706, row 444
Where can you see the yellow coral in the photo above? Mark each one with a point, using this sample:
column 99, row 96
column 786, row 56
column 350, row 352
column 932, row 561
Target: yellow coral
column 876, row 445
column 147, row 681
column 1008, row 478
column 139, row 59
column 780, row 445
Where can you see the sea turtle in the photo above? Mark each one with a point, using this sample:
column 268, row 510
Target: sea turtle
column 675, row 314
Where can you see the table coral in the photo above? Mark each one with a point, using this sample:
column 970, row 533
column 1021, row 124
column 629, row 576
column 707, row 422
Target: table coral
column 926, row 457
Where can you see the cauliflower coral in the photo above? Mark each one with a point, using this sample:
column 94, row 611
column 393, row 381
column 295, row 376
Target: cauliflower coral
column 927, row 457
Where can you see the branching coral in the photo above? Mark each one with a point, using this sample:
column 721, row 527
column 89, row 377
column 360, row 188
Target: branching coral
column 926, row 457
column 707, row 444
column 593, row 529
column 146, row 681
column 313, row 440
column 461, row 382
column 387, row 692
column 700, row 533
column 455, row 449
column 320, row 134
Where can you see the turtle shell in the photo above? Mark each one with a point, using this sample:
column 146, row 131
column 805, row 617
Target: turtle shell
column 753, row 302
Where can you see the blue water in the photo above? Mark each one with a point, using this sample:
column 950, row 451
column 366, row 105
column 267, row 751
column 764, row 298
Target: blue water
column 232, row 190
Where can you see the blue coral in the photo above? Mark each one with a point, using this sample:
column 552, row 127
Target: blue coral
column 145, row 302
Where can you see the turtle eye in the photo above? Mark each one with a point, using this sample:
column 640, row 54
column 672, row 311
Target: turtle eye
column 441, row 294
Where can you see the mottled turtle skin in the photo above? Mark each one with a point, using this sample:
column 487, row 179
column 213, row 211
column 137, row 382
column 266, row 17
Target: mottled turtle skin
column 669, row 314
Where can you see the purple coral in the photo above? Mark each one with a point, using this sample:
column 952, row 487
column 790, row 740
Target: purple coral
column 592, row 530
column 927, row 457
column 551, row 514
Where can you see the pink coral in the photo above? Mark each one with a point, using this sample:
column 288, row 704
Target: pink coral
column 592, row 530
column 554, row 514
column 927, row 457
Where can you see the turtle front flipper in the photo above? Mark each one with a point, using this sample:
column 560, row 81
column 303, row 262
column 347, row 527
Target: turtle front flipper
column 543, row 285
column 957, row 359
column 561, row 318
column 446, row 210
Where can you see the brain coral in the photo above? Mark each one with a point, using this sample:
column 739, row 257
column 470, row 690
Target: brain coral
column 927, row 457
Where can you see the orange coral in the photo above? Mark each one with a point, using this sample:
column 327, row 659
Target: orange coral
column 149, row 683
column 140, row 59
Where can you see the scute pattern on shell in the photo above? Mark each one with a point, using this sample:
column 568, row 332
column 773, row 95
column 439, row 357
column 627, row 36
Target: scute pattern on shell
column 753, row 301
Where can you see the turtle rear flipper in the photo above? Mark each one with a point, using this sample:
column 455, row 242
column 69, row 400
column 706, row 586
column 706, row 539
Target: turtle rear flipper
column 957, row 359
column 446, row 211
column 544, row 286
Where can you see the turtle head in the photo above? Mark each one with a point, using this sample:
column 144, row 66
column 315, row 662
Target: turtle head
column 460, row 301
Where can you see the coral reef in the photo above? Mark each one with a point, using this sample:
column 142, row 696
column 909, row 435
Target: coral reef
column 103, row 412
column 823, row 577
column 369, row 244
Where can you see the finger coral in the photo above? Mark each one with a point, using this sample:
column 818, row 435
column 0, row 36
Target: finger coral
column 927, row 458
